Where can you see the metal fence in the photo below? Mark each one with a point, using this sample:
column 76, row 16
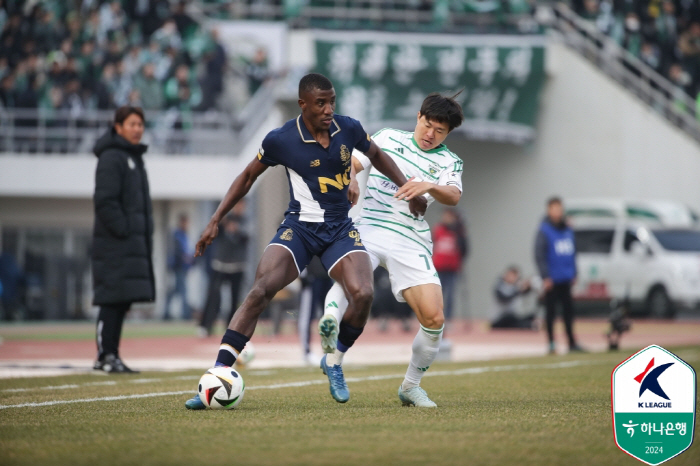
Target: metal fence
column 392, row 15
column 634, row 75
column 67, row 131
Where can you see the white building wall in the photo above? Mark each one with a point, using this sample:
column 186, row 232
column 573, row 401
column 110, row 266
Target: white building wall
column 593, row 139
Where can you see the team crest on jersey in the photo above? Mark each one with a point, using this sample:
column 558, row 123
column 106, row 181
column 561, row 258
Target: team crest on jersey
column 434, row 168
column 345, row 154
column 287, row 235
column 354, row 234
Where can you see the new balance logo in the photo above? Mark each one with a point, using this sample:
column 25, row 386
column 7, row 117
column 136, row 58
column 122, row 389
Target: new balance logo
column 315, row 163
column 423, row 369
column 399, row 150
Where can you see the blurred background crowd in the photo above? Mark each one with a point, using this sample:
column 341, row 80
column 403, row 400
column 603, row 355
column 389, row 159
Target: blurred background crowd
column 81, row 55
column 664, row 34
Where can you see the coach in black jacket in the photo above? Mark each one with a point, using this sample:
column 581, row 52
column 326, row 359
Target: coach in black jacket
column 122, row 267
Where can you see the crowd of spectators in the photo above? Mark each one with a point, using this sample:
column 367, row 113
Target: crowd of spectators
column 664, row 34
column 101, row 54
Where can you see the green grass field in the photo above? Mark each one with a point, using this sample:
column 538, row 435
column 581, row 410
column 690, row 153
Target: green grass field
column 540, row 411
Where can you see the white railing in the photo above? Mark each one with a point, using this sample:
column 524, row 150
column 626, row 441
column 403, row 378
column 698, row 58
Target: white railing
column 167, row 132
column 633, row 74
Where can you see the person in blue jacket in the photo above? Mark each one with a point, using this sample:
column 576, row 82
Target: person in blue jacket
column 555, row 254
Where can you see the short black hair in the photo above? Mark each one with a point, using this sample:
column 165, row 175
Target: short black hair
column 437, row 107
column 554, row 200
column 314, row 81
column 122, row 113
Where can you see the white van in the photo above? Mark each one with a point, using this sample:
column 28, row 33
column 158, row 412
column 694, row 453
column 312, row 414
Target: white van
column 646, row 251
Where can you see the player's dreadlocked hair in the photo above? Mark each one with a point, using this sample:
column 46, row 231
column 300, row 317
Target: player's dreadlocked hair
column 314, row 81
column 437, row 107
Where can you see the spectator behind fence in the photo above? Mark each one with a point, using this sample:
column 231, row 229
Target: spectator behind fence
column 450, row 250
column 508, row 292
column 665, row 34
column 122, row 264
column 180, row 259
column 113, row 50
column 555, row 255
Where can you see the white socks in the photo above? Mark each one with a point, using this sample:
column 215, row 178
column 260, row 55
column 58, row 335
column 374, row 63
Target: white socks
column 336, row 303
column 335, row 358
column 425, row 349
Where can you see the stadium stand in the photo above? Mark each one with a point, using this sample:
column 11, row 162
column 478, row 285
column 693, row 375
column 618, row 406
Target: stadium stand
column 65, row 65
column 664, row 34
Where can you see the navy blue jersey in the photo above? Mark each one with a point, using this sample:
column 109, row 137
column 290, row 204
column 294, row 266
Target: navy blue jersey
column 318, row 177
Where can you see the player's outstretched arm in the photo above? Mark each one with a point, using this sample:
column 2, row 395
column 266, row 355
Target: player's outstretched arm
column 448, row 195
column 386, row 165
column 354, row 187
column 239, row 188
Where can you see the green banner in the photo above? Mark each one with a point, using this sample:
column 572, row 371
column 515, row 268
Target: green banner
column 382, row 78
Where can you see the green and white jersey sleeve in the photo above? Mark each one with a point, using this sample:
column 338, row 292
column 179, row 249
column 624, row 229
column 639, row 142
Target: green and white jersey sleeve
column 380, row 208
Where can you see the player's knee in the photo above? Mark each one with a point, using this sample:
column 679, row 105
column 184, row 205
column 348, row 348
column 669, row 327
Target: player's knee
column 434, row 321
column 259, row 296
column 362, row 295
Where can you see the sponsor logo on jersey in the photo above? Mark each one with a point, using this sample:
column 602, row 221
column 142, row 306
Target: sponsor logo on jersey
column 287, row 235
column 341, row 180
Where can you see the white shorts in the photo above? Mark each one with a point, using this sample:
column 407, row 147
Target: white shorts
column 408, row 263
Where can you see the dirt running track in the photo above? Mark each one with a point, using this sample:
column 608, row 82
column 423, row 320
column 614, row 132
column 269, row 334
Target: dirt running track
column 470, row 341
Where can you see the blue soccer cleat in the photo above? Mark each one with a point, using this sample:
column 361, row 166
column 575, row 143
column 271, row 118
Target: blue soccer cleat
column 338, row 387
column 195, row 403
column 328, row 329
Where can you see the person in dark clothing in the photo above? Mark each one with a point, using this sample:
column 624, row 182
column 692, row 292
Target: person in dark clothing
column 122, row 265
column 508, row 290
column 180, row 259
column 227, row 265
column 555, row 255
column 315, row 284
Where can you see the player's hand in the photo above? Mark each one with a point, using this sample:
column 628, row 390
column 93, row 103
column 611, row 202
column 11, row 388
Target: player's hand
column 413, row 189
column 353, row 192
column 547, row 284
column 418, row 206
column 207, row 237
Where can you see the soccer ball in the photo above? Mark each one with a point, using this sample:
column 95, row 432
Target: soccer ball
column 221, row 388
column 247, row 355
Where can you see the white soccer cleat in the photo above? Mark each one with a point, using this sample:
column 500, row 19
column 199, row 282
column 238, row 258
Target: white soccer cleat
column 328, row 329
column 415, row 396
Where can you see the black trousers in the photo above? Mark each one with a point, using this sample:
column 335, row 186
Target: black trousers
column 109, row 328
column 560, row 293
column 213, row 304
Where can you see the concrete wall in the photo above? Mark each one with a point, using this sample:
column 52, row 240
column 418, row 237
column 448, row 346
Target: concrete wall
column 55, row 192
column 593, row 139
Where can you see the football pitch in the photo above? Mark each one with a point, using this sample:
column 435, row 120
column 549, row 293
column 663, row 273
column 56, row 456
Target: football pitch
column 537, row 411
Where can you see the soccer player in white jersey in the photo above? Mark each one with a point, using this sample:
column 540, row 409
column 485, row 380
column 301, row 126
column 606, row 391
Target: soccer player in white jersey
column 401, row 242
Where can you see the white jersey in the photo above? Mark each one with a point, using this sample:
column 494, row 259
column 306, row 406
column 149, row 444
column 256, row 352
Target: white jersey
column 380, row 209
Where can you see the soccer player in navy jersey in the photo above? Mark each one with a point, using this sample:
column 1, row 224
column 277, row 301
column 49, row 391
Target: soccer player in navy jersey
column 316, row 150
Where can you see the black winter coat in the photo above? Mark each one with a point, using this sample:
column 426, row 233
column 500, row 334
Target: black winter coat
column 122, row 266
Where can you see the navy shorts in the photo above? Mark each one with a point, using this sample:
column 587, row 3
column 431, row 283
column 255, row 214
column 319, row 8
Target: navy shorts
column 330, row 241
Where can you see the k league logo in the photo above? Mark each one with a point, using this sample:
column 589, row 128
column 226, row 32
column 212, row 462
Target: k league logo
column 653, row 405
column 650, row 381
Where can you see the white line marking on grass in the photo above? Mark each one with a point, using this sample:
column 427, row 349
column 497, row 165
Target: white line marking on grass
column 106, row 382
column 305, row 383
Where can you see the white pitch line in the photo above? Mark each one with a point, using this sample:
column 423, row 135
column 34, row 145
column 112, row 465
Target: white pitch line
column 106, row 382
column 305, row 383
